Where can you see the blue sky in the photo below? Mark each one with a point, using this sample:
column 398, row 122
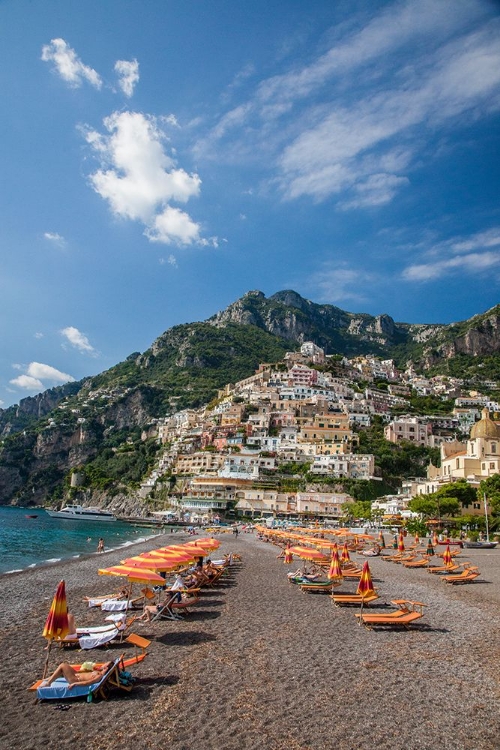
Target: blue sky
column 162, row 158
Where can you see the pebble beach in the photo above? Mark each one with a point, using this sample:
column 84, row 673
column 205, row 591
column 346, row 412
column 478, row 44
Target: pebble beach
column 259, row 664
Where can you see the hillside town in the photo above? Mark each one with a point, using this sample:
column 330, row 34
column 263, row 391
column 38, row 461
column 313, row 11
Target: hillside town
column 227, row 455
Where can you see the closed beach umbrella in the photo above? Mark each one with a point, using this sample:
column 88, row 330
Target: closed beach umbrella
column 447, row 557
column 401, row 543
column 344, row 555
column 381, row 539
column 417, row 540
column 56, row 624
column 365, row 585
column 430, row 548
column 335, row 570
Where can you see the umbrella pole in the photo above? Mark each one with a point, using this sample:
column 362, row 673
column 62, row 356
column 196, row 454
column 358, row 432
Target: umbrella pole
column 45, row 667
column 129, row 591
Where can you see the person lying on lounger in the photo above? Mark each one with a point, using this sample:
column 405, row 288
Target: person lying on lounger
column 76, row 678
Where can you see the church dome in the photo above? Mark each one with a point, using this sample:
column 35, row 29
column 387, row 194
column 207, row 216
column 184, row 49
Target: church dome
column 485, row 428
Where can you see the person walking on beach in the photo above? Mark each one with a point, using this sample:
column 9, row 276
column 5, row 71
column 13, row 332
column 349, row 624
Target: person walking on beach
column 100, row 545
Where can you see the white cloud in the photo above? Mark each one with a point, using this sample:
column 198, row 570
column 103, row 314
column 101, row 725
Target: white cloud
column 46, row 372
column 128, row 73
column 172, row 260
column 173, row 226
column 355, row 119
column 465, row 255
column 28, row 383
column 56, row 238
column 78, row 339
column 139, row 180
column 38, row 335
column 68, row 64
column 336, row 285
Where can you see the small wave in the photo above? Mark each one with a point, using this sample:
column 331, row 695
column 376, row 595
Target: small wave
column 16, row 570
column 53, row 560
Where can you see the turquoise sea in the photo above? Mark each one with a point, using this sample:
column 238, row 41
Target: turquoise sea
column 26, row 542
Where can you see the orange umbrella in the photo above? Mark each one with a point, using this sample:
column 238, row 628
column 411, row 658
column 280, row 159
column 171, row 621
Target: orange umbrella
column 447, row 557
column 207, row 543
column 335, row 571
column 288, row 556
column 345, row 556
column 134, row 574
column 417, row 540
column 365, row 585
column 158, row 564
column 435, row 540
column 306, row 553
column 56, row 624
column 401, row 543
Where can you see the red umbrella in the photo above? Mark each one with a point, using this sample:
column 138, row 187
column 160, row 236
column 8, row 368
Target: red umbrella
column 365, row 585
column 344, row 555
column 335, row 571
column 56, row 624
column 447, row 557
column 401, row 543
column 417, row 540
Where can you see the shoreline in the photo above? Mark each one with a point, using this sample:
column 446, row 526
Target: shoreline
column 259, row 664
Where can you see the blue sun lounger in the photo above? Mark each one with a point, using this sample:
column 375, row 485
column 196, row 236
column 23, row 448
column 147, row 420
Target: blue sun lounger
column 59, row 690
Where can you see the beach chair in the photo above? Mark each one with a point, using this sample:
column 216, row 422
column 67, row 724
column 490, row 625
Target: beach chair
column 422, row 562
column 403, row 621
column 112, row 679
column 319, row 587
column 403, row 607
column 342, row 600
column 438, row 569
column 466, row 576
column 95, row 637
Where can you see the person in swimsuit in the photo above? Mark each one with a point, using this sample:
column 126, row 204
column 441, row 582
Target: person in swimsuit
column 76, row 678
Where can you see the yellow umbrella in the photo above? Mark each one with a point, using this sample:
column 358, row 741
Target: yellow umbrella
column 56, row 624
column 365, row 585
column 344, row 555
column 447, row 556
column 401, row 543
column 134, row 574
column 306, row 553
column 335, row 571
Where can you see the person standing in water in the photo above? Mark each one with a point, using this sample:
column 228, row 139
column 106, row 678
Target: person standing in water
column 100, row 545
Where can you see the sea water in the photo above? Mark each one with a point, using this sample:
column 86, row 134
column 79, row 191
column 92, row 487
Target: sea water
column 26, row 542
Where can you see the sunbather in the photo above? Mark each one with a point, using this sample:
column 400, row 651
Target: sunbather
column 76, row 678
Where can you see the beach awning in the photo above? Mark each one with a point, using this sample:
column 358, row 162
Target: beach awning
column 133, row 574
column 307, row 553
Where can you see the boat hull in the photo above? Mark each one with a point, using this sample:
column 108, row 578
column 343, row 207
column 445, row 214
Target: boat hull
column 480, row 545
column 104, row 517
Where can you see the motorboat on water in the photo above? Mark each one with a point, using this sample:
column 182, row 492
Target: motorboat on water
column 480, row 545
column 81, row 513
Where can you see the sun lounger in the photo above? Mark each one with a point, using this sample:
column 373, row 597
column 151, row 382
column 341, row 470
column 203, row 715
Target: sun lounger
column 403, row 622
column 342, row 600
column 438, row 569
column 466, row 576
column 95, row 637
column 60, row 689
column 403, row 607
column 319, row 587
column 422, row 563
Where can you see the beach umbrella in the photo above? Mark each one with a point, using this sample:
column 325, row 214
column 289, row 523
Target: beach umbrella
column 435, row 539
column 134, row 574
column 401, row 543
column 365, row 585
column 307, row 553
column 381, row 539
column 208, row 543
column 430, row 548
column 417, row 540
column 56, row 624
column 447, row 556
column 344, row 555
column 335, row 570
column 159, row 564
